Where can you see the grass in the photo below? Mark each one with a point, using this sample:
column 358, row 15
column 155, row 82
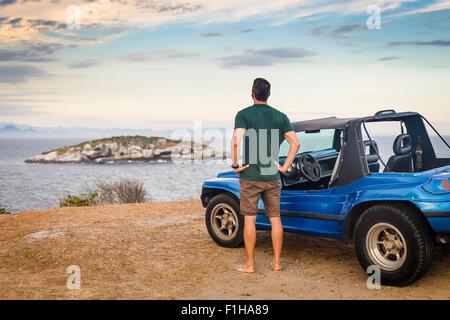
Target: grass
column 84, row 200
column 4, row 211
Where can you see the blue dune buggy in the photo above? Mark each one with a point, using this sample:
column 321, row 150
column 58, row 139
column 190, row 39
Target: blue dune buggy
column 394, row 214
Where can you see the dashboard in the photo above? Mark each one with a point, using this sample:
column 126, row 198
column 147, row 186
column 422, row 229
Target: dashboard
column 326, row 160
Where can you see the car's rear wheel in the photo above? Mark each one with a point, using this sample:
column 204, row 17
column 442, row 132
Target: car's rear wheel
column 224, row 222
column 395, row 239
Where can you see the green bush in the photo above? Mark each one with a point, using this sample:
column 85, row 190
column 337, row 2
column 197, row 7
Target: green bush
column 84, row 200
column 4, row 211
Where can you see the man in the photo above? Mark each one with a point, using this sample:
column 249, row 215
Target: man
column 264, row 128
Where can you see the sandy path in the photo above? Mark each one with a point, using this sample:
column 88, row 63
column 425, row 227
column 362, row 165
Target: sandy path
column 163, row 251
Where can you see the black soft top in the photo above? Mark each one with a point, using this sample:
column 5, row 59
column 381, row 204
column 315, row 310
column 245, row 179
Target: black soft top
column 341, row 123
column 351, row 163
column 319, row 124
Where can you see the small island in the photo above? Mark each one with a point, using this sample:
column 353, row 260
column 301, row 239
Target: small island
column 129, row 149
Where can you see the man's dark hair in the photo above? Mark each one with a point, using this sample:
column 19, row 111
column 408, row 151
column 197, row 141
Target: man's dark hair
column 261, row 89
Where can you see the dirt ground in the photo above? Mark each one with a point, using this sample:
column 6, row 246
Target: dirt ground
column 163, row 251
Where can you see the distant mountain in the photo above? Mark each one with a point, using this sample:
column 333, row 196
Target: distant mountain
column 21, row 130
column 10, row 128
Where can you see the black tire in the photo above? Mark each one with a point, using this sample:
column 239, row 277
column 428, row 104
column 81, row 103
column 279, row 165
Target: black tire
column 237, row 237
column 415, row 233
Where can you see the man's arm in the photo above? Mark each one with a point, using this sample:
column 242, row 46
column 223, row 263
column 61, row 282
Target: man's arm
column 294, row 145
column 238, row 134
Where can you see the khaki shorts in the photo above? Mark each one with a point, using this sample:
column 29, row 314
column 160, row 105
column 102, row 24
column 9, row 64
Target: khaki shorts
column 270, row 193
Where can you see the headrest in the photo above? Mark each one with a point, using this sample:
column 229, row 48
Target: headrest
column 402, row 145
column 372, row 156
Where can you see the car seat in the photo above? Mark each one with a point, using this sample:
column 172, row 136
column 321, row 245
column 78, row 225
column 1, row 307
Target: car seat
column 372, row 155
column 401, row 161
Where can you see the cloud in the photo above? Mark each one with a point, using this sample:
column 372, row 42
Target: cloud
column 16, row 110
column 17, row 74
column 15, row 23
column 439, row 5
column 28, row 93
column 27, row 100
column 156, row 55
column 41, row 19
column 7, row 2
column 212, row 34
column 319, row 31
column 439, row 66
column 266, row 57
column 348, row 28
column 178, row 8
column 32, row 53
column 433, row 43
column 248, row 30
column 92, row 34
column 83, row 64
column 340, row 31
column 45, row 24
column 389, row 58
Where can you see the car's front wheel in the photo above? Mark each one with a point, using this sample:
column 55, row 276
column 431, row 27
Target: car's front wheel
column 395, row 239
column 224, row 222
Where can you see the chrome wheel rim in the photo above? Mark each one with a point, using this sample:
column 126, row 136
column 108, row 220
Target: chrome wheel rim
column 386, row 246
column 224, row 221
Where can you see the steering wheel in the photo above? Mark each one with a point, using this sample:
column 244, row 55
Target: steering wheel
column 310, row 167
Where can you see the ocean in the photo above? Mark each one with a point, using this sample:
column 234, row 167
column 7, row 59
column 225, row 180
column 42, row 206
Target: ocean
column 35, row 186
column 25, row 186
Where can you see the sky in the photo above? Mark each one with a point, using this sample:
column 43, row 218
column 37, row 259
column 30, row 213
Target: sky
column 166, row 64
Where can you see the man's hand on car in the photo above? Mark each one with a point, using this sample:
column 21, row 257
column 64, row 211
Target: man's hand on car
column 282, row 169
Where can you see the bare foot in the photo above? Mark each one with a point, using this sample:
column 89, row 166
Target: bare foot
column 245, row 269
column 276, row 266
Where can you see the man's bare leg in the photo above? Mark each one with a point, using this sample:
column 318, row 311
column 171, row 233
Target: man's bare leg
column 250, row 243
column 277, row 242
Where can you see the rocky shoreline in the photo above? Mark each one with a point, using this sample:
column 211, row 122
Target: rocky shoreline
column 129, row 149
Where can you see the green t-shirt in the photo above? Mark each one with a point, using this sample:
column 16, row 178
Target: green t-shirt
column 265, row 129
